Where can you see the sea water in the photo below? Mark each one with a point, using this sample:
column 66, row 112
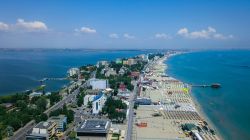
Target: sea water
column 22, row 70
column 228, row 107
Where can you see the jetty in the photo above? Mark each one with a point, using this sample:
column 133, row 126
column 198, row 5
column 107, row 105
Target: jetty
column 46, row 79
column 214, row 85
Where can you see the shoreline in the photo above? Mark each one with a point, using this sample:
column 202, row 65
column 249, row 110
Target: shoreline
column 196, row 103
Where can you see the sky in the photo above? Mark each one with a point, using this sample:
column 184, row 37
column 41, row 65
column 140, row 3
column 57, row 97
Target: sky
column 125, row 24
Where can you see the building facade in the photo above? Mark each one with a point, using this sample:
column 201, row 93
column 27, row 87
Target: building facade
column 73, row 71
column 98, row 83
column 131, row 61
column 61, row 122
column 98, row 103
column 42, row 131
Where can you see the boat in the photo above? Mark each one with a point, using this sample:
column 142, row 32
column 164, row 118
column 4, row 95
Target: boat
column 215, row 85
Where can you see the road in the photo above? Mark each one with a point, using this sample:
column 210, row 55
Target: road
column 21, row 133
column 131, row 113
column 66, row 100
column 132, row 98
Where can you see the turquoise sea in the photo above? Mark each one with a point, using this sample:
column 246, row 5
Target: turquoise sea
column 227, row 107
column 22, row 70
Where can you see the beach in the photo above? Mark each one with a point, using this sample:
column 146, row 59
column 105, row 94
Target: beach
column 173, row 107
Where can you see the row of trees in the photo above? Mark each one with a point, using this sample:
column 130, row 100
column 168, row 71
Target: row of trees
column 80, row 97
column 115, row 109
column 14, row 98
column 64, row 111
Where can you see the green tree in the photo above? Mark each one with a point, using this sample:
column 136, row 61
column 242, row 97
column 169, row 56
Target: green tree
column 89, row 104
column 44, row 117
column 41, row 103
column 70, row 116
column 110, row 108
column 54, row 97
column 55, row 113
column 22, row 104
column 2, row 110
column 136, row 106
column 72, row 135
column 64, row 110
column 80, row 97
column 15, row 123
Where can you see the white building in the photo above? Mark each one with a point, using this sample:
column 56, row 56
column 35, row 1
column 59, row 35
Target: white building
column 122, row 70
column 73, row 71
column 43, row 130
column 98, row 103
column 156, row 57
column 131, row 61
column 124, row 94
column 102, row 63
column 98, row 83
column 144, row 57
column 109, row 72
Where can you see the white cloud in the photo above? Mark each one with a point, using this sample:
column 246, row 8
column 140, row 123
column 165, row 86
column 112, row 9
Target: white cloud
column 162, row 36
column 221, row 37
column 209, row 33
column 114, row 35
column 86, row 30
column 183, row 32
column 127, row 36
column 31, row 25
column 3, row 26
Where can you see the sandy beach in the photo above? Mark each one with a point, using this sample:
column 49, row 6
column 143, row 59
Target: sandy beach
column 174, row 106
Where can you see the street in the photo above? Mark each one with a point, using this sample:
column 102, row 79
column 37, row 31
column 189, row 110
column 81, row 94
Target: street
column 131, row 113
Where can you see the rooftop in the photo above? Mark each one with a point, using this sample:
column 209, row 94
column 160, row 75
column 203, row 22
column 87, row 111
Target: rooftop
column 98, row 96
column 44, row 125
column 60, row 117
column 94, row 126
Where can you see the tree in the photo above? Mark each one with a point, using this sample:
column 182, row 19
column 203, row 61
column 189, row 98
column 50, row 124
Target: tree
column 2, row 110
column 15, row 123
column 70, row 116
column 136, row 106
column 41, row 103
column 72, row 135
column 55, row 113
column 89, row 104
column 34, row 99
column 111, row 107
column 80, row 97
column 64, row 109
column 22, row 104
column 44, row 117
column 54, row 97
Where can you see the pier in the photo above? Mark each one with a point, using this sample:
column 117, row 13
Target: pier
column 46, row 79
column 214, row 85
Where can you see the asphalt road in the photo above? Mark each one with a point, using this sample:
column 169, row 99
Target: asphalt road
column 131, row 113
column 131, row 106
